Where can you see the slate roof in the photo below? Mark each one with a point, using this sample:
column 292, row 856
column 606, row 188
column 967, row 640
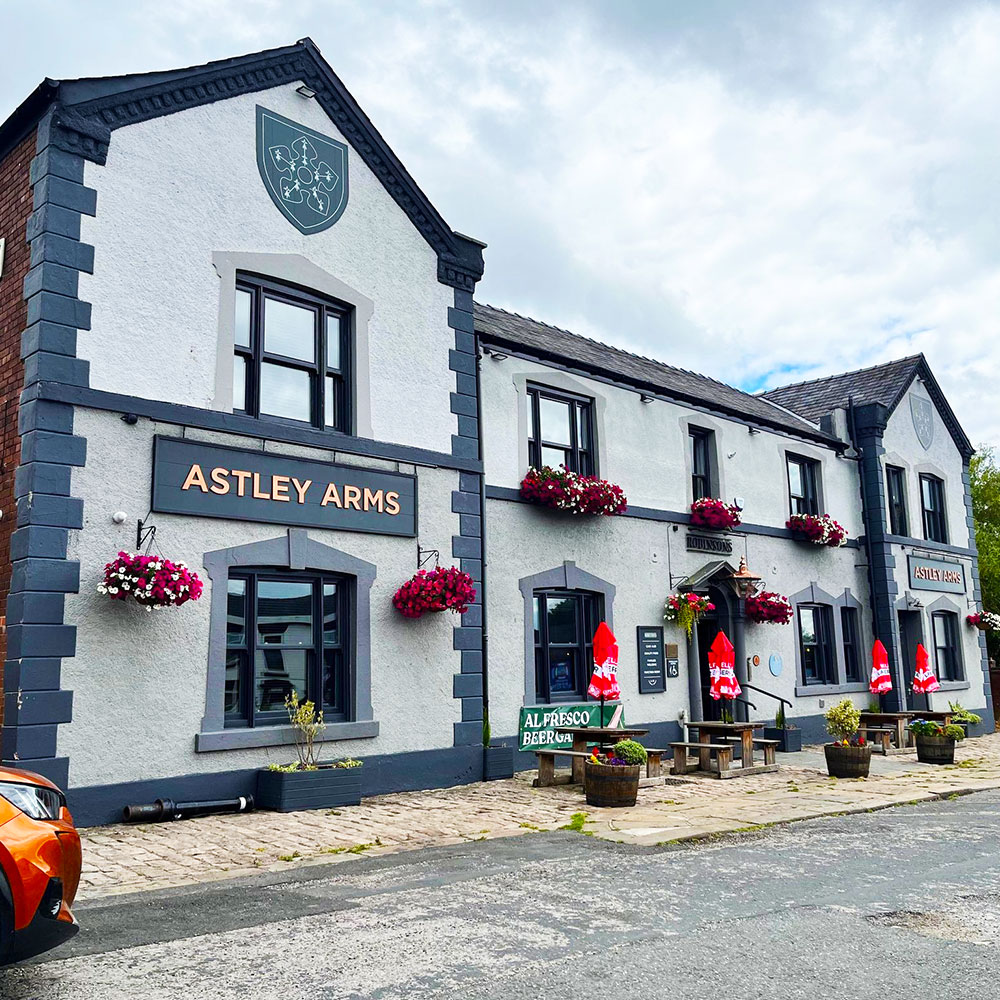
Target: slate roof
column 883, row 384
column 519, row 333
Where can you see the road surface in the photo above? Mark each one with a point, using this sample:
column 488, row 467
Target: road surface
column 900, row 902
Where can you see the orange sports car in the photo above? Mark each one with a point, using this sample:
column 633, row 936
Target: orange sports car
column 39, row 866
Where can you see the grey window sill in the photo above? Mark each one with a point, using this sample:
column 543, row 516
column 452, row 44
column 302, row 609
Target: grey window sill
column 954, row 686
column 276, row 736
column 814, row 690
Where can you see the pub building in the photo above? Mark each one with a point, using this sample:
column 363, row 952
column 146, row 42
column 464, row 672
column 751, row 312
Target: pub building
column 236, row 333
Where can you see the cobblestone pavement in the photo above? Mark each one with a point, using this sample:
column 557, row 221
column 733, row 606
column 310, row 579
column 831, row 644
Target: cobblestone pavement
column 131, row 858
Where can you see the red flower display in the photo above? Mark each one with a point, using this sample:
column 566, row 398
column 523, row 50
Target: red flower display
column 820, row 529
column 153, row 581
column 769, row 607
column 565, row 490
column 988, row 621
column 438, row 589
column 710, row 513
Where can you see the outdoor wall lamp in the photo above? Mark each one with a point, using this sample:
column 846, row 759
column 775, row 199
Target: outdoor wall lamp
column 495, row 355
column 745, row 583
column 646, row 398
column 306, row 92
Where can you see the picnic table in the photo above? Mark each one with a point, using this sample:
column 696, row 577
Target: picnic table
column 892, row 720
column 714, row 732
column 588, row 736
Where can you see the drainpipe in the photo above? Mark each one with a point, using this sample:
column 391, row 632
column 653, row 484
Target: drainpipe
column 482, row 530
column 741, row 712
column 694, row 678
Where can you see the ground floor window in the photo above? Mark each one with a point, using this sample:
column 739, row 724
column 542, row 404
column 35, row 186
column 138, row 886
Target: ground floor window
column 947, row 654
column 564, row 623
column 286, row 632
column 852, row 645
column 816, row 644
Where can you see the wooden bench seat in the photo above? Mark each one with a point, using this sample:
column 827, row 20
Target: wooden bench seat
column 654, row 759
column 880, row 735
column 547, row 765
column 768, row 746
column 723, row 756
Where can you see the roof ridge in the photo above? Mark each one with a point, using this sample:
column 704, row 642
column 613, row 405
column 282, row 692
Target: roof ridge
column 622, row 350
column 854, row 371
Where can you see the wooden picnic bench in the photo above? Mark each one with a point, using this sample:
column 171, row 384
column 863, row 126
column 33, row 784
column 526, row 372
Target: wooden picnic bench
column 547, row 766
column 723, row 757
column 882, row 737
column 768, row 746
column 654, row 758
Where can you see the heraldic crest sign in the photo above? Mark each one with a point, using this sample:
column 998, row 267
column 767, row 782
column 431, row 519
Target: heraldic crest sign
column 305, row 172
column 922, row 412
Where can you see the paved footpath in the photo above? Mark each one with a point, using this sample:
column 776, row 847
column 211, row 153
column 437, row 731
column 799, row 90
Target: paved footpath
column 119, row 859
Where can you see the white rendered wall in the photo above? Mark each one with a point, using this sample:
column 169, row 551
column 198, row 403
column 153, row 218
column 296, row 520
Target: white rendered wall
column 179, row 188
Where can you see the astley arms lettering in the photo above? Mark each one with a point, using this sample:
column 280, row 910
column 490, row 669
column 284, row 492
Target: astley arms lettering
column 288, row 489
column 935, row 575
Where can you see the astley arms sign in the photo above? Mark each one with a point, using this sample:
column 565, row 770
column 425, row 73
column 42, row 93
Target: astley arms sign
column 207, row 480
column 936, row 574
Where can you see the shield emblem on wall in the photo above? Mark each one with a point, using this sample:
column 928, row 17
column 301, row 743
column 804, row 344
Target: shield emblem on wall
column 304, row 171
column 923, row 419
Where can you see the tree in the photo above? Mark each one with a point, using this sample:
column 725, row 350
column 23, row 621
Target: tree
column 984, row 481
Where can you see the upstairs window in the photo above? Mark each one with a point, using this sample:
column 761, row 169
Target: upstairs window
column 561, row 429
column 564, row 624
column 852, row 645
column 896, row 488
column 291, row 359
column 932, row 501
column 700, row 442
column 816, row 644
column 803, row 485
column 947, row 654
column 286, row 632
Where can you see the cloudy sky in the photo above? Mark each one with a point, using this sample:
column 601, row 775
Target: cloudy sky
column 761, row 191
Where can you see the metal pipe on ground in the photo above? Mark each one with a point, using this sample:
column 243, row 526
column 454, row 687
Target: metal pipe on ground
column 164, row 810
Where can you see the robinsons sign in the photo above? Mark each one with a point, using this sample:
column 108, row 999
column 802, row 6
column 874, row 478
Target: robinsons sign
column 207, row 480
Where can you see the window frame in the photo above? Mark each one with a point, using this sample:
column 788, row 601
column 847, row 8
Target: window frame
column 248, row 716
column 700, row 440
column 954, row 666
column 581, row 460
column 935, row 520
column 824, row 644
column 810, row 478
column 584, row 644
column 850, row 639
column 318, row 371
column 895, row 495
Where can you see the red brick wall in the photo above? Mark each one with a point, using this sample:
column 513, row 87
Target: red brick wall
column 15, row 207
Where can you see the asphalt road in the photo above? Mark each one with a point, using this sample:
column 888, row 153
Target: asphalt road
column 899, row 902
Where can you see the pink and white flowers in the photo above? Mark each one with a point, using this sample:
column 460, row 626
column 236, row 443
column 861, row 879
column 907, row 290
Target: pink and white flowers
column 820, row 529
column 685, row 610
column 439, row 589
column 768, row 607
column 988, row 621
column 152, row 581
column 565, row 490
column 710, row 513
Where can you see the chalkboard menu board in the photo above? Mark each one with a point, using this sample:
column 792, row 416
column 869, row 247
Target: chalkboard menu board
column 652, row 668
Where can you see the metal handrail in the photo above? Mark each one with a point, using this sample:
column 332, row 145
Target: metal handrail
column 776, row 697
column 746, row 701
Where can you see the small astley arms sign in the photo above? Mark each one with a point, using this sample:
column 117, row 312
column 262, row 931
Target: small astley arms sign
column 537, row 729
column 207, row 480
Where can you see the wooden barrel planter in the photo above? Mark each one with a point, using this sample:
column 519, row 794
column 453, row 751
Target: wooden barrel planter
column 935, row 749
column 848, row 762
column 612, row 785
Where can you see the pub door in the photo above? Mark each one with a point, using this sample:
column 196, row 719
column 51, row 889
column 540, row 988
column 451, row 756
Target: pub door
column 911, row 632
column 708, row 628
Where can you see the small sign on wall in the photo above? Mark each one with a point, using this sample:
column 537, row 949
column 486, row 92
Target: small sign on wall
column 936, row 574
column 652, row 662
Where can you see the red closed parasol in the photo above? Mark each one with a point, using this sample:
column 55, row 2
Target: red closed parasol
column 721, row 669
column 924, row 680
column 881, row 681
column 604, row 682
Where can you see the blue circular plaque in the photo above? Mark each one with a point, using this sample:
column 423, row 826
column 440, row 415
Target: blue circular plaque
column 774, row 664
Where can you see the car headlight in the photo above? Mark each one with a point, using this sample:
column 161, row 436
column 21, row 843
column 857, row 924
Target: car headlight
column 35, row 801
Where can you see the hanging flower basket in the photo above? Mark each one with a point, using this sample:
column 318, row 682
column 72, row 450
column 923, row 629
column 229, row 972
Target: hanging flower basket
column 437, row 589
column 820, row 529
column 685, row 610
column 153, row 581
column 988, row 621
column 769, row 608
column 715, row 514
column 561, row 489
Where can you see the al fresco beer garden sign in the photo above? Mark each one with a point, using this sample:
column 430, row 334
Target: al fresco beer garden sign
column 208, row 480
column 537, row 728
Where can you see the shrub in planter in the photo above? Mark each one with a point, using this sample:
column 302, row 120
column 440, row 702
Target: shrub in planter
column 438, row 589
column 611, row 780
column 768, row 607
column 988, row 621
column 561, row 489
column 849, row 756
column 152, row 581
column 716, row 514
column 820, row 529
column 308, row 783
column 963, row 717
column 936, row 743
column 685, row 610
column 789, row 737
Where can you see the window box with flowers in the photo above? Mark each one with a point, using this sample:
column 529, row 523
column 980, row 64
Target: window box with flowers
column 715, row 514
column 768, row 608
column 438, row 589
column 819, row 529
column 988, row 621
column 561, row 489
column 686, row 610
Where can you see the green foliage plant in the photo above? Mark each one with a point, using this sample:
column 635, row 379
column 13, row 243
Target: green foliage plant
column 630, row 751
column 959, row 714
column 984, row 486
column 842, row 720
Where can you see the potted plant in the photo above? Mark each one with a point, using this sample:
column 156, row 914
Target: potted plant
column 820, row 529
column 963, row 717
column 498, row 758
column 988, row 621
column 438, row 589
column 152, row 581
column 308, row 783
column 613, row 779
column 715, row 514
column 685, row 610
column 768, row 607
column 849, row 756
column 936, row 743
column 561, row 489
column 789, row 737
